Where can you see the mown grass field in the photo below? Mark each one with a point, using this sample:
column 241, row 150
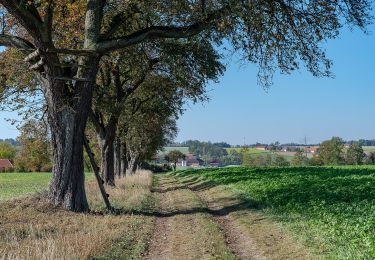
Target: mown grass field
column 182, row 149
column 14, row 185
column 369, row 148
column 330, row 209
column 250, row 150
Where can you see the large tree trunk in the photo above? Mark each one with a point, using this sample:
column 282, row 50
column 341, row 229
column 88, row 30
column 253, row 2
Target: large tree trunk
column 131, row 163
column 106, row 135
column 69, row 103
column 67, row 185
column 124, row 162
column 107, row 156
column 118, row 170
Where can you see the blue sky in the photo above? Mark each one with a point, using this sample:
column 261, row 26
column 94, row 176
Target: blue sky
column 296, row 106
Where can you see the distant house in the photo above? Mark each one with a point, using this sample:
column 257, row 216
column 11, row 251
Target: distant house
column 6, row 165
column 190, row 161
column 313, row 150
column 214, row 163
column 261, row 147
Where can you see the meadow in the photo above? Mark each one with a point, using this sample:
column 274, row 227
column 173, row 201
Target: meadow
column 249, row 150
column 182, row 149
column 32, row 229
column 369, row 148
column 14, row 185
column 329, row 209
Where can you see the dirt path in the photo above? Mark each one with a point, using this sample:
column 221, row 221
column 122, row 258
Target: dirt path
column 249, row 234
column 184, row 229
column 200, row 221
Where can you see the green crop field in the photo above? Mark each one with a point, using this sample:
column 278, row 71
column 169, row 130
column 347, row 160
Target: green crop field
column 13, row 185
column 183, row 149
column 250, row 150
column 369, row 148
column 330, row 209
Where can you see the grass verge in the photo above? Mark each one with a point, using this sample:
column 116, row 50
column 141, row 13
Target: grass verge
column 30, row 229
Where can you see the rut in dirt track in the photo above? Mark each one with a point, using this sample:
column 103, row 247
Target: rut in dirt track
column 183, row 228
column 199, row 221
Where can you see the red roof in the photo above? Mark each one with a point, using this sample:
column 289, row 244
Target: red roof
column 5, row 164
column 311, row 148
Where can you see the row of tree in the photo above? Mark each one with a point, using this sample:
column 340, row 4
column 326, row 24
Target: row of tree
column 334, row 152
column 331, row 152
column 207, row 151
column 86, row 58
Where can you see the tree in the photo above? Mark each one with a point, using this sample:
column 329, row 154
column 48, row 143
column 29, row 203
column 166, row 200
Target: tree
column 245, row 156
column 331, row 151
column 316, row 160
column 7, row 151
column 371, row 158
column 35, row 148
column 355, row 154
column 300, row 159
column 233, row 158
column 121, row 77
column 280, row 161
column 149, row 122
column 174, row 156
column 65, row 41
column 274, row 146
column 260, row 161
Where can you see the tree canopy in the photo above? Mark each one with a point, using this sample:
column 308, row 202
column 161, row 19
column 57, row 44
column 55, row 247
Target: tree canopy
column 64, row 44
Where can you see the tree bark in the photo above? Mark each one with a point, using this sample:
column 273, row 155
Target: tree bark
column 107, row 155
column 124, row 162
column 67, row 185
column 106, row 134
column 118, row 149
column 68, row 104
column 131, row 164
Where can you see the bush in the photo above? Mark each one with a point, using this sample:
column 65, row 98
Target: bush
column 155, row 168
column 280, row 161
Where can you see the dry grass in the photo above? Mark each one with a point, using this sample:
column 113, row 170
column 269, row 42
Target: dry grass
column 30, row 229
column 186, row 231
column 132, row 193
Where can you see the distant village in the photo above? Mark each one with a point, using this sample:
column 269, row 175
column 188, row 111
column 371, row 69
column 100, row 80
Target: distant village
column 197, row 154
column 197, row 160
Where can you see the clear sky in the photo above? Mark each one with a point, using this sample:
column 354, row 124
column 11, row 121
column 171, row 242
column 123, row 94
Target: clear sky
column 296, row 106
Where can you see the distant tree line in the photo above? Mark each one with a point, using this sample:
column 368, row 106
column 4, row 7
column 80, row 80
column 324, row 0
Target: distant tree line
column 31, row 152
column 335, row 152
column 366, row 142
column 9, row 141
column 207, row 151
column 331, row 152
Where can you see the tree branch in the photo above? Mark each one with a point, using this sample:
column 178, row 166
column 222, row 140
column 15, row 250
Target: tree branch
column 118, row 20
column 143, row 77
column 93, row 21
column 26, row 14
column 48, row 18
column 154, row 32
column 15, row 42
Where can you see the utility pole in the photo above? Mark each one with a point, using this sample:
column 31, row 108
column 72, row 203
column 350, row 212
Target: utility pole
column 305, row 141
